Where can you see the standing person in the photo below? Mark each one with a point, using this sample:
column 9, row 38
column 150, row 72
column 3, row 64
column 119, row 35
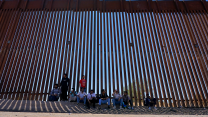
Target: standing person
column 54, row 95
column 104, row 98
column 64, row 87
column 150, row 101
column 83, row 83
column 91, row 98
column 73, row 95
column 127, row 100
column 81, row 96
column 117, row 99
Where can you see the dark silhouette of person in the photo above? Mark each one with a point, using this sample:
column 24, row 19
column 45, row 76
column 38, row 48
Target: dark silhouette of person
column 64, row 87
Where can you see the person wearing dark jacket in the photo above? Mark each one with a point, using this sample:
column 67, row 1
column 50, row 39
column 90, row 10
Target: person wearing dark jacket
column 127, row 100
column 64, row 87
column 150, row 102
column 104, row 98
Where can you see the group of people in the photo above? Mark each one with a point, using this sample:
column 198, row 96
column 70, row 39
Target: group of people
column 91, row 97
column 57, row 92
column 103, row 98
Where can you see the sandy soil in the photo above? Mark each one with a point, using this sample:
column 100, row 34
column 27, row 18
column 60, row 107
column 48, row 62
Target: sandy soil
column 31, row 114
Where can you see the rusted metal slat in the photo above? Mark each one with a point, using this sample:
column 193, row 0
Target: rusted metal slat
column 27, row 54
column 31, row 47
column 182, row 63
column 40, row 57
column 73, row 48
column 5, row 20
column 47, row 79
column 69, row 40
column 5, row 83
column 17, row 53
column 202, row 22
column 93, row 51
column 109, row 38
column 187, row 34
column 101, row 49
column 173, row 63
column 129, row 48
column 3, row 39
column 2, row 13
column 13, row 49
column 98, row 52
column 77, row 76
column 138, row 28
column 62, row 69
column 39, row 51
column 179, row 59
column 197, row 56
column 55, row 48
column 111, row 53
column 146, row 54
column 135, row 58
column 117, row 48
column 83, row 48
column 80, row 50
column 149, row 56
column 120, row 50
column 163, row 54
column 124, row 61
column 84, row 67
column 104, row 50
column 203, row 54
column 180, row 35
column 142, row 50
column 49, row 57
column 19, row 64
column 9, row 48
column 24, row 56
column 45, row 48
column 34, row 59
column 60, row 41
column 90, row 48
column 73, row 66
column 153, row 51
column 113, row 62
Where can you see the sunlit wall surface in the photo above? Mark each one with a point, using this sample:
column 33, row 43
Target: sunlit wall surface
column 160, row 53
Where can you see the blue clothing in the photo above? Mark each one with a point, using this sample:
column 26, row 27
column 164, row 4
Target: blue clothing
column 115, row 101
column 78, row 100
column 149, row 102
column 72, row 94
column 104, row 101
column 56, row 91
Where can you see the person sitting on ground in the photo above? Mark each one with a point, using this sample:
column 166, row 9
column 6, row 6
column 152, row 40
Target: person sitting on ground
column 55, row 93
column 127, row 100
column 104, row 98
column 91, row 98
column 117, row 99
column 81, row 96
column 73, row 95
column 150, row 101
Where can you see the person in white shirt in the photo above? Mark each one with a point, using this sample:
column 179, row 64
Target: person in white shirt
column 91, row 98
column 81, row 96
column 117, row 99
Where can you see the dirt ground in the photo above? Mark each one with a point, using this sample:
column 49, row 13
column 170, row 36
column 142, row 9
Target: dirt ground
column 32, row 114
